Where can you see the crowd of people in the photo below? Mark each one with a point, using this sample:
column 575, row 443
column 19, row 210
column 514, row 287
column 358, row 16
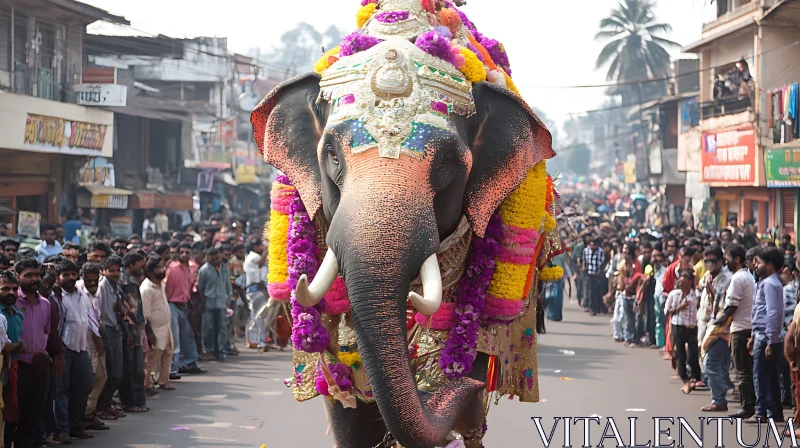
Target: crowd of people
column 712, row 303
column 88, row 334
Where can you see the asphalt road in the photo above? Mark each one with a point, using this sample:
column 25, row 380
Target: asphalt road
column 244, row 403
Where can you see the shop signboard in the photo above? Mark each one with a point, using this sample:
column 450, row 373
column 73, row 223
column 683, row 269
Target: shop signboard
column 121, row 226
column 56, row 135
column 28, row 224
column 105, row 95
column 782, row 167
column 729, row 156
column 97, row 171
column 114, row 201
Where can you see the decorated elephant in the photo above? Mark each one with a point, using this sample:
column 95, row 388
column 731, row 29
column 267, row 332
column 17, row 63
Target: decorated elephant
column 412, row 229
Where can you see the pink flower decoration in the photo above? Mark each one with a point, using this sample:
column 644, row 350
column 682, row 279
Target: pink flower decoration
column 347, row 99
column 391, row 16
column 434, row 44
column 440, row 108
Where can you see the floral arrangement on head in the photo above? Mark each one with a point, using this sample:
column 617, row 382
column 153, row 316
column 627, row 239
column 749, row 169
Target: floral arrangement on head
column 452, row 37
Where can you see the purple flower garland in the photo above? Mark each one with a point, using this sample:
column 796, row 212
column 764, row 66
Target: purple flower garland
column 308, row 334
column 460, row 349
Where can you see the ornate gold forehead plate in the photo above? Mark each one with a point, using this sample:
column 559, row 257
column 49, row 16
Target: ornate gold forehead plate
column 394, row 92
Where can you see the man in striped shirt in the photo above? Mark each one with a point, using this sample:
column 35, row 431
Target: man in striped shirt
column 681, row 308
column 593, row 259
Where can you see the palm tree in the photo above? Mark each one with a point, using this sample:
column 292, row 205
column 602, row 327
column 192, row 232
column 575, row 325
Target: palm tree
column 635, row 52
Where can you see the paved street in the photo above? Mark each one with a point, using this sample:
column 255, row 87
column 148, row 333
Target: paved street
column 244, row 403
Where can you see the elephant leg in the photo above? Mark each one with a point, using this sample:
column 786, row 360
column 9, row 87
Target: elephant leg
column 361, row 427
column 470, row 421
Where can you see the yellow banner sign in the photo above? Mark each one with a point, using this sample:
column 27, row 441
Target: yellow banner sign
column 109, row 201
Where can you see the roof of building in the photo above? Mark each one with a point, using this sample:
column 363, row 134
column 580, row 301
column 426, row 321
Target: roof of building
column 89, row 13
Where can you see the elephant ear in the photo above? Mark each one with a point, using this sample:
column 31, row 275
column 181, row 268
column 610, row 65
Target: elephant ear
column 507, row 139
column 287, row 127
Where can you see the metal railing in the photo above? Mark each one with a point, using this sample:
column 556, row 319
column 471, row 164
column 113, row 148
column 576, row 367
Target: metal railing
column 39, row 82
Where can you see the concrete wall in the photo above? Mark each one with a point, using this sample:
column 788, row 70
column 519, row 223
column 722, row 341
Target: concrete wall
column 781, row 59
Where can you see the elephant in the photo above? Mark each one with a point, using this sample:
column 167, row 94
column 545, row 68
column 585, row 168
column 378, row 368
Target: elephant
column 388, row 206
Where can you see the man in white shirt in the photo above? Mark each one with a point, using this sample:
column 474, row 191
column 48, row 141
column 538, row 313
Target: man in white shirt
column 49, row 245
column 77, row 381
column 158, row 317
column 162, row 222
column 738, row 305
column 255, row 269
column 681, row 308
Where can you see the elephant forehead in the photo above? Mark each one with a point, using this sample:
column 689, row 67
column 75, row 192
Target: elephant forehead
column 392, row 96
column 423, row 138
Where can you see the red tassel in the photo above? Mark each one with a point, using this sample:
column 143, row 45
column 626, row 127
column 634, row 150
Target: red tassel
column 491, row 374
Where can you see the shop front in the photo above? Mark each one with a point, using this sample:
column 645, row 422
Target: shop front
column 39, row 141
column 731, row 167
column 111, row 206
column 782, row 169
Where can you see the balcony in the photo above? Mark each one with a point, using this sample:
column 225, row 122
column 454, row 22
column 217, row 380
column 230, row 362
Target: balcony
column 726, row 105
column 38, row 82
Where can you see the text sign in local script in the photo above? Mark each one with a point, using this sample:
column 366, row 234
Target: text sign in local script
column 101, row 94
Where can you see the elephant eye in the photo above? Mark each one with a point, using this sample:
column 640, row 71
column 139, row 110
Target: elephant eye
column 448, row 159
column 332, row 154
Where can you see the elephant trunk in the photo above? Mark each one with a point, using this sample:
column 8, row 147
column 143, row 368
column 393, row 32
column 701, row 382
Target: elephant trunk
column 377, row 269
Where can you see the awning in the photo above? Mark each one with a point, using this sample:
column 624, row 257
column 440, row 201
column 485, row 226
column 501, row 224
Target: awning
column 146, row 199
column 107, row 197
column 152, row 114
column 100, row 189
column 178, row 201
column 696, row 47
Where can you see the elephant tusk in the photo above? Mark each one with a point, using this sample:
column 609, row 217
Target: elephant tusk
column 310, row 295
column 431, row 277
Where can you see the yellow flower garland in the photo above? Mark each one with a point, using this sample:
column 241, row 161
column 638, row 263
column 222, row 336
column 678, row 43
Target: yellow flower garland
column 349, row 358
column 549, row 223
column 364, row 13
column 551, row 274
column 323, row 63
column 523, row 209
column 473, row 67
column 278, row 238
column 510, row 84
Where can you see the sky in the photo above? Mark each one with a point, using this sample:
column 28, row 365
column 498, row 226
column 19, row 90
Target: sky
column 550, row 43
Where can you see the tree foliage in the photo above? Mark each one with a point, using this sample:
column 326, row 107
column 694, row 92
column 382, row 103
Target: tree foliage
column 299, row 49
column 635, row 51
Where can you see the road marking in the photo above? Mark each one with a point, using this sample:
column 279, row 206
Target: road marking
column 213, row 425
column 635, row 410
column 213, row 397
column 214, row 438
column 567, row 352
column 271, row 393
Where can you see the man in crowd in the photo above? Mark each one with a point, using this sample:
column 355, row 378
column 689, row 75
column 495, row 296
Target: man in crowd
column 49, row 245
column 214, row 287
column 77, row 381
column 766, row 343
column 120, row 246
column 33, row 380
column 179, row 283
column 71, row 252
column 9, row 287
column 10, row 248
column 592, row 264
column 157, row 315
column 109, row 303
column 716, row 338
column 681, row 309
column 89, row 284
column 792, row 341
column 131, row 389
column 97, row 252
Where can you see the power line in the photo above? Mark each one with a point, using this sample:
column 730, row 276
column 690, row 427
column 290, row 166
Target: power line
column 628, row 83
